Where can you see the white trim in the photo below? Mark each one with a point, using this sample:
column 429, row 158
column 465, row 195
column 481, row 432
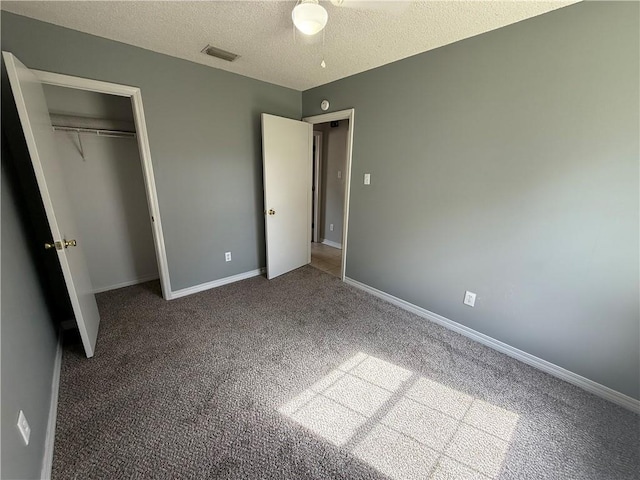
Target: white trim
column 349, row 115
column 80, row 83
column 317, row 184
column 330, row 243
column 47, row 460
column 152, row 193
column 329, row 117
column 547, row 367
column 135, row 95
column 309, row 197
column 128, row 283
column 216, row 283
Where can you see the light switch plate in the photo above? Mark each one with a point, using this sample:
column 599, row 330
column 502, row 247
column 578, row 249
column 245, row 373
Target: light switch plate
column 367, row 179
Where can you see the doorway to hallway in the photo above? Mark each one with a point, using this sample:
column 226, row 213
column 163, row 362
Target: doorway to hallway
column 329, row 224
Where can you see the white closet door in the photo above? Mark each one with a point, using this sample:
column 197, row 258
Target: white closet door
column 36, row 124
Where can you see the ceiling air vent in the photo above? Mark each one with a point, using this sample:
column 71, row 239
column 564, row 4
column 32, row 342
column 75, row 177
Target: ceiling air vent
column 219, row 53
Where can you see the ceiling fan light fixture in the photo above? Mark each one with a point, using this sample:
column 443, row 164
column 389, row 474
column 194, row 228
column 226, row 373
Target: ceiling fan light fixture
column 309, row 17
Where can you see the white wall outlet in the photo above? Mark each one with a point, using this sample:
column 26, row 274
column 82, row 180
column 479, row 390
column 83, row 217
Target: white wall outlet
column 227, row 256
column 339, row 174
column 23, row 426
column 331, row 227
column 469, row 298
column 367, row 179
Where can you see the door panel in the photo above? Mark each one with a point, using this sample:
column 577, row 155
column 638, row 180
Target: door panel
column 36, row 124
column 286, row 154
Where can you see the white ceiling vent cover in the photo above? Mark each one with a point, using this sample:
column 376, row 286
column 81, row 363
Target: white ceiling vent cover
column 219, row 53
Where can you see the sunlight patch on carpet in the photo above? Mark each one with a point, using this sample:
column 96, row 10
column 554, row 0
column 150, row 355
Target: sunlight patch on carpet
column 404, row 425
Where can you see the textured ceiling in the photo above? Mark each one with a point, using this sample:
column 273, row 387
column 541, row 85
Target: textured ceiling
column 261, row 32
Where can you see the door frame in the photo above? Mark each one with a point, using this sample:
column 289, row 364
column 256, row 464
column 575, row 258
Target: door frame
column 349, row 115
column 317, row 184
column 135, row 95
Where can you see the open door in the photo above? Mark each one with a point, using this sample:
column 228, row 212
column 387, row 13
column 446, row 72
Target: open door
column 286, row 155
column 38, row 132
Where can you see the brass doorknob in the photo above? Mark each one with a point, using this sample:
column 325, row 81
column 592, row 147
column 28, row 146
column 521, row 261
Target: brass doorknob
column 58, row 245
column 272, row 212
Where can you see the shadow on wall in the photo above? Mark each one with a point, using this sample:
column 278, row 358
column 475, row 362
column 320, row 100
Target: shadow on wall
column 404, row 425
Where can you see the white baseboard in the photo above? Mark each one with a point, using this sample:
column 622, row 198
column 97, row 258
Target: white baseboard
column 128, row 283
column 50, row 437
column 216, row 283
column 548, row 367
column 330, row 243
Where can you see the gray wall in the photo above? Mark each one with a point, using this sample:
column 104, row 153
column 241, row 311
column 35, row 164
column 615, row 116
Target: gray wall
column 507, row 165
column 28, row 345
column 334, row 160
column 71, row 101
column 107, row 191
column 204, row 132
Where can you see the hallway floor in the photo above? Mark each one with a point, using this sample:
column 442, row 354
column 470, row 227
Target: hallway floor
column 326, row 258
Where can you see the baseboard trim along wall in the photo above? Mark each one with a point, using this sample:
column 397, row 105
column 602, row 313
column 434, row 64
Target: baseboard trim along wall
column 128, row 283
column 547, row 367
column 330, row 243
column 50, row 437
column 216, row 283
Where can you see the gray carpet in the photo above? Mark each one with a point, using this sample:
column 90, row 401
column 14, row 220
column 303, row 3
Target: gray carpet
column 306, row 377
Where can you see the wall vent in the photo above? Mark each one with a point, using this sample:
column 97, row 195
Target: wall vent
column 219, row 53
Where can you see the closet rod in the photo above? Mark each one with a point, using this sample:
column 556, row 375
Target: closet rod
column 97, row 131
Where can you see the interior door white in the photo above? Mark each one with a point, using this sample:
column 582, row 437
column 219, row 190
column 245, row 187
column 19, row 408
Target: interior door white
column 286, row 156
column 38, row 132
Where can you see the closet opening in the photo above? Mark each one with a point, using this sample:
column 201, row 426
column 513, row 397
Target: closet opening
column 100, row 162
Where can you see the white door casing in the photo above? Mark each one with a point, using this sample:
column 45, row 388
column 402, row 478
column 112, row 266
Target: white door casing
column 36, row 124
column 135, row 95
column 317, row 185
column 286, row 154
column 330, row 117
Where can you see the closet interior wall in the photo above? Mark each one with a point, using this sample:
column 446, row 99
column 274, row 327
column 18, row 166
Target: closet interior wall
column 103, row 175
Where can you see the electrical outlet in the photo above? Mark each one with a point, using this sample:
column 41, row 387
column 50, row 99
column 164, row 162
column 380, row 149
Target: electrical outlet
column 23, row 426
column 367, row 179
column 331, row 227
column 339, row 174
column 469, row 298
column 227, row 256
